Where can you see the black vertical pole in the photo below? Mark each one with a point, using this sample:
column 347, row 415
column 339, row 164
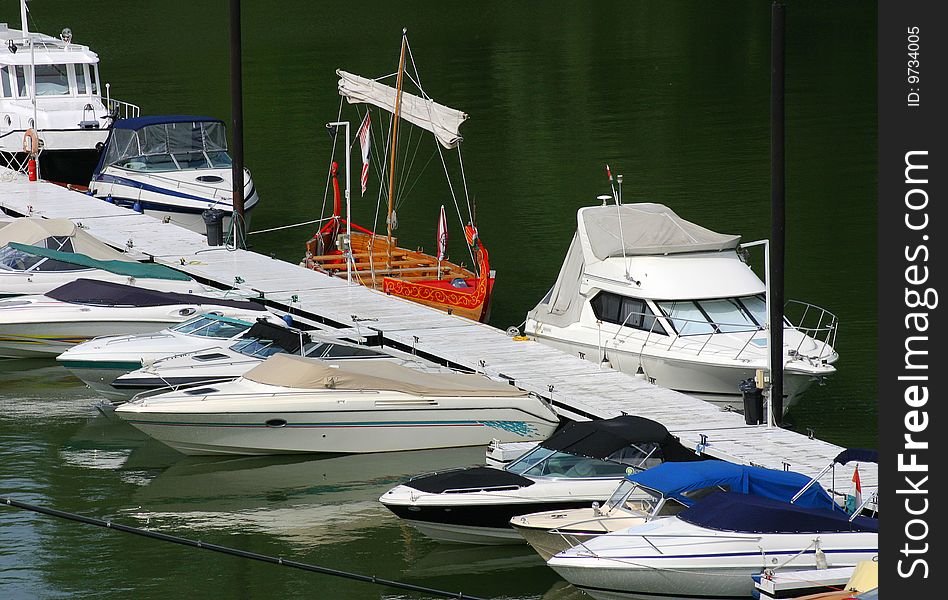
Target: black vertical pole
column 777, row 226
column 237, row 119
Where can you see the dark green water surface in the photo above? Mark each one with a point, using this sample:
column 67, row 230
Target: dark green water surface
column 672, row 94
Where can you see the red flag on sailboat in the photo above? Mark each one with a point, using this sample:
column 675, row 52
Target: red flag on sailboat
column 365, row 140
column 442, row 235
column 858, row 485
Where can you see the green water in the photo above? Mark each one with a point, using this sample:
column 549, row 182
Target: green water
column 674, row 95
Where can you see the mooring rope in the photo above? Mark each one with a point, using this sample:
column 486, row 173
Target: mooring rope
column 234, row 551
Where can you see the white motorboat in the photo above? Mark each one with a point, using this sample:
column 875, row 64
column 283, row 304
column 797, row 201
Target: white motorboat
column 291, row 404
column 38, row 255
column 47, row 325
column 226, row 363
column 170, row 167
column 582, row 463
column 713, row 549
column 649, row 293
column 669, row 488
column 52, row 103
column 100, row 360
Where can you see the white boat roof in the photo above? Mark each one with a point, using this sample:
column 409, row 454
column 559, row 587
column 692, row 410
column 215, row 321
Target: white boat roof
column 644, row 229
column 287, row 370
column 32, row 230
column 46, row 49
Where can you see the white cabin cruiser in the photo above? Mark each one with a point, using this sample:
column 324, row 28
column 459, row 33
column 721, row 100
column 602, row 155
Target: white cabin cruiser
column 669, row 488
column 47, row 325
column 52, row 104
column 170, row 166
column 38, row 255
column 100, row 360
column 713, row 549
column 648, row 292
column 291, row 404
column 581, row 464
column 229, row 362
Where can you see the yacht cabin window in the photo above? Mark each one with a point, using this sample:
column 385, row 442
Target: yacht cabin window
column 94, row 78
column 622, row 310
column 20, row 74
column 723, row 315
column 81, row 87
column 52, row 80
column 5, row 82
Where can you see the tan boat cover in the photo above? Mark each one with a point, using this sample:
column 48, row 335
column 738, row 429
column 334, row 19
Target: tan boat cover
column 440, row 120
column 647, row 228
column 33, row 230
column 287, row 370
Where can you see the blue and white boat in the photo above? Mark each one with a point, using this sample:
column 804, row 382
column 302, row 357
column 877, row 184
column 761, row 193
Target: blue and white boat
column 172, row 167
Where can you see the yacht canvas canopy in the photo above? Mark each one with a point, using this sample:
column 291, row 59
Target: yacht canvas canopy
column 646, row 229
column 440, row 120
column 35, row 231
column 119, row 267
column 286, row 370
column 676, row 479
column 472, row 478
column 290, row 340
column 163, row 135
column 603, row 437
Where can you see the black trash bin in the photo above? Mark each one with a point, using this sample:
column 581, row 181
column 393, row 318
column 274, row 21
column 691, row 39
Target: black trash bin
column 753, row 402
column 214, row 223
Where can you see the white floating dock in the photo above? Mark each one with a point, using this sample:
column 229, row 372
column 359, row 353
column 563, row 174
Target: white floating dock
column 578, row 388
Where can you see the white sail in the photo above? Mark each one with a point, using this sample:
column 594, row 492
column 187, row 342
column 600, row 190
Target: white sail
column 440, row 120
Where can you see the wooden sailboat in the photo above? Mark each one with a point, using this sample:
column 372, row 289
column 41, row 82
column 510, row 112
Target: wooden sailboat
column 344, row 249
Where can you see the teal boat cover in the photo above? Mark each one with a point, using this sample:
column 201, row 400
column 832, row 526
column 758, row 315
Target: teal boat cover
column 119, row 267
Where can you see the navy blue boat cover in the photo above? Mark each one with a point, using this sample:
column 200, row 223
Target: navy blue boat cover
column 288, row 339
column 858, row 455
column 139, row 122
column 106, row 293
column 678, row 479
column 603, row 437
column 729, row 511
column 468, row 479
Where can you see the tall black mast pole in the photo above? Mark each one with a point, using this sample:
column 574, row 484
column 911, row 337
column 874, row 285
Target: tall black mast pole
column 237, row 120
column 777, row 192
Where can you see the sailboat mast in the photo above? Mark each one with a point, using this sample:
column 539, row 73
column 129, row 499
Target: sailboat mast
column 391, row 171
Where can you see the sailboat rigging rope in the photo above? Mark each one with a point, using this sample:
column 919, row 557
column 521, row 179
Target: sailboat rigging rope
column 164, row 537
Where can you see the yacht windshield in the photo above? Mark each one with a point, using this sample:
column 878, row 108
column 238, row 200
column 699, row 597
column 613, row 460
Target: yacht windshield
column 257, row 348
column 52, row 80
column 542, row 462
column 169, row 147
column 212, row 326
column 723, row 315
column 17, row 260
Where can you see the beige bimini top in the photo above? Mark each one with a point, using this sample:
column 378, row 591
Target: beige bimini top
column 288, row 370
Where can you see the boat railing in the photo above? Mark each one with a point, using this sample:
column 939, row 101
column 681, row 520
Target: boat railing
column 812, row 321
column 122, row 110
column 647, row 537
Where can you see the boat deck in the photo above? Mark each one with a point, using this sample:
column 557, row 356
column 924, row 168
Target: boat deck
column 578, row 388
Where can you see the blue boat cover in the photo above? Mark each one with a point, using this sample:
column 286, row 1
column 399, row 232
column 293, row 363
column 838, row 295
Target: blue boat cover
column 677, row 480
column 729, row 511
column 857, row 454
column 139, row 122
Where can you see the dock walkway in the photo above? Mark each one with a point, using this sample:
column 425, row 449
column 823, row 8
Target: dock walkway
column 578, row 388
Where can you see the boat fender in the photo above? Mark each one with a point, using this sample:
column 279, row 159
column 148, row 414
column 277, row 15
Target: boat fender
column 31, row 142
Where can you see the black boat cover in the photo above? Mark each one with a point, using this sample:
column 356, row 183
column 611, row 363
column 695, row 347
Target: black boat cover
column 603, row 437
column 106, row 293
column 288, row 339
column 730, row 511
column 472, row 479
column 857, row 454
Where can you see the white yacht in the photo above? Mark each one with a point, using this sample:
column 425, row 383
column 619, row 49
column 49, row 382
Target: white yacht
column 291, row 404
column 100, row 360
column 47, row 325
column 582, row 463
column 669, row 488
column 38, row 255
column 646, row 292
column 52, row 103
column 229, row 362
column 713, row 549
column 170, row 167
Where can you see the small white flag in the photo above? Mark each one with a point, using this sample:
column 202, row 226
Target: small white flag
column 442, row 235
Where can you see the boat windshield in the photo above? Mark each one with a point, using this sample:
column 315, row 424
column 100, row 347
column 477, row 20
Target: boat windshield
column 212, row 326
column 169, row 147
column 723, row 315
column 543, row 462
column 257, row 348
column 18, row 260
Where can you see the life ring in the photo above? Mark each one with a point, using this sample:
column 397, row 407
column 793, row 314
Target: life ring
column 31, row 142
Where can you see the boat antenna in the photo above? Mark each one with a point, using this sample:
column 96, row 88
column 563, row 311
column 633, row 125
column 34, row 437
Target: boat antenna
column 23, row 19
column 615, row 194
